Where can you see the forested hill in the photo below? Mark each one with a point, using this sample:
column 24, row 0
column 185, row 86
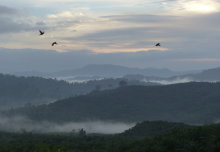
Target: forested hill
column 154, row 128
column 195, row 139
column 196, row 102
column 17, row 91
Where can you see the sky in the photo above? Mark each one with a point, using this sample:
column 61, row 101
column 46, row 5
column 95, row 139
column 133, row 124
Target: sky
column 188, row 30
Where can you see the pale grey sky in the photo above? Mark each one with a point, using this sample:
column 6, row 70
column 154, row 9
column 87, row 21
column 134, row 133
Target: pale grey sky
column 188, row 30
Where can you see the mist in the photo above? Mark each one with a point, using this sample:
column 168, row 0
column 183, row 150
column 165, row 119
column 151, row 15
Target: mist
column 21, row 124
column 173, row 81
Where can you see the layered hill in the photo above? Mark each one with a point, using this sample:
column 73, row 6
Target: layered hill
column 112, row 71
column 196, row 102
column 193, row 139
column 154, row 128
column 18, row 91
column 209, row 75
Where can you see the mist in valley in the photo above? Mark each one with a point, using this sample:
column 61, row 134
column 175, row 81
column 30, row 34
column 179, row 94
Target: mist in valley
column 147, row 69
column 19, row 124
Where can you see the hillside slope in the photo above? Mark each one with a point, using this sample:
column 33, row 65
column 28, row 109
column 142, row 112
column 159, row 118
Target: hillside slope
column 195, row 102
column 18, row 91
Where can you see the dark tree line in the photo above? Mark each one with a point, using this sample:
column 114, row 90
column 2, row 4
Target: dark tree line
column 18, row 91
column 180, row 139
column 190, row 103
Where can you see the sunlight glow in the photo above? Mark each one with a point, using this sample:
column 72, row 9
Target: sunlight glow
column 202, row 7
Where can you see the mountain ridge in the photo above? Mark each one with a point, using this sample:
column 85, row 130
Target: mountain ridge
column 187, row 102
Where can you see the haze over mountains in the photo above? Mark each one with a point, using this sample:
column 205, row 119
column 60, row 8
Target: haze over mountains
column 99, row 77
column 196, row 102
column 49, row 61
column 84, row 65
column 19, row 91
column 108, row 70
column 100, row 71
column 109, row 76
column 93, row 93
column 209, row 75
column 162, row 76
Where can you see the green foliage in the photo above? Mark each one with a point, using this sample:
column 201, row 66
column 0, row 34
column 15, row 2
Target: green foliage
column 196, row 102
column 122, row 83
column 185, row 139
column 19, row 91
column 153, row 128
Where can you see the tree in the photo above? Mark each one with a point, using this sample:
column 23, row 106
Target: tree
column 122, row 83
column 82, row 133
column 97, row 88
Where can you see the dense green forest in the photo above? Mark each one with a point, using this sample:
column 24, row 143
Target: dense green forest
column 18, row 91
column 196, row 102
column 177, row 139
column 153, row 128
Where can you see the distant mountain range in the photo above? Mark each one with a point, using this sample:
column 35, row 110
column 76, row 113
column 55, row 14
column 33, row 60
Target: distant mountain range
column 207, row 75
column 196, row 102
column 104, row 71
column 97, row 72
column 210, row 75
column 149, row 74
column 108, row 70
column 18, row 91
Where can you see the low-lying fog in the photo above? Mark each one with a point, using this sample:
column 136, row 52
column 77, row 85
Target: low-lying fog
column 172, row 81
column 20, row 123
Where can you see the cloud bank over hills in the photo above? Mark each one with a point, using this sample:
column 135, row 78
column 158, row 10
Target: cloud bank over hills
column 21, row 60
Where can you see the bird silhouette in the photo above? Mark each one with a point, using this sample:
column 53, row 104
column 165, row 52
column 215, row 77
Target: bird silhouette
column 158, row 44
column 41, row 32
column 54, row 43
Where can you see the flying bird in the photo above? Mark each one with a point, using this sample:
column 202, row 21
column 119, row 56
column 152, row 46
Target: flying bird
column 158, row 44
column 41, row 32
column 54, row 43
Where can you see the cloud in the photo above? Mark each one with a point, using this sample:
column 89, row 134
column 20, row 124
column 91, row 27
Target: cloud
column 7, row 10
column 119, row 40
column 129, row 26
column 180, row 7
column 174, row 81
column 9, row 25
column 66, row 14
column 12, row 21
column 201, row 6
column 20, row 60
column 143, row 18
column 141, row 32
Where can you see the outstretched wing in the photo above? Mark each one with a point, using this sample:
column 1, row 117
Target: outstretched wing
column 41, row 32
column 54, row 43
column 158, row 44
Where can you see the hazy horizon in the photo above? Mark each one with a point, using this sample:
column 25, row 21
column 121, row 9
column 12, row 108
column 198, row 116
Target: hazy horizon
column 109, row 32
column 109, row 75
column 49, row 61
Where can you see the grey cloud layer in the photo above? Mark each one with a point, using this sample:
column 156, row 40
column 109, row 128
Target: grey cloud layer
column 174, row 31
column 12, row 21
column 6, row 10
column 193, row 36
column 51, row 61
column 142, row 18
column 9, row 25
